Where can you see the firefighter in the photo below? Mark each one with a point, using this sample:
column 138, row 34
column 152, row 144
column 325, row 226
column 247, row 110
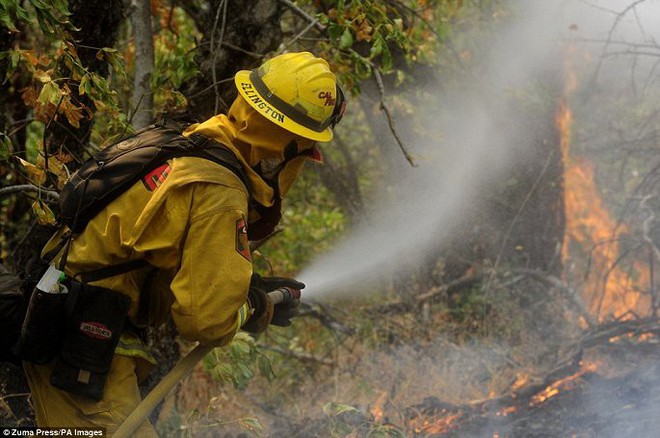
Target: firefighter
column 191, row 220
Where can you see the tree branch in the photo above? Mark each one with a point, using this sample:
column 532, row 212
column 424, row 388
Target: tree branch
column 313, row 21
column 214, row 53
column 301, row 356
column 6, row 191
column 390, row 119
column 568, row 293
column 317, row 311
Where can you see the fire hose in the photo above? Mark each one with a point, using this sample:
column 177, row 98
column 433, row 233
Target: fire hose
column 181, row 370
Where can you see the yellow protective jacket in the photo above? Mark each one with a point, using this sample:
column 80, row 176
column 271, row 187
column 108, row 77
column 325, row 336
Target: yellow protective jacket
column 187, row 219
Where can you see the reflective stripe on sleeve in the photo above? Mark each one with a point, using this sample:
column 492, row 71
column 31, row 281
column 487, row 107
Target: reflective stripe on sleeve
column 243, row 314
column 133, row 347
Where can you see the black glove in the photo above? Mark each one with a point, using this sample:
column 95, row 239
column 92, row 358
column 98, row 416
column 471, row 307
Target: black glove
column 282, row 312
column 262, row 307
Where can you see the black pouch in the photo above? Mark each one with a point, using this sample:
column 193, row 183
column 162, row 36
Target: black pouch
column 92, row 333
column 43, row 328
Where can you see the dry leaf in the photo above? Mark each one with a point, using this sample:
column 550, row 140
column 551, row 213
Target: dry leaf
column 35, row 174
column 45, row 215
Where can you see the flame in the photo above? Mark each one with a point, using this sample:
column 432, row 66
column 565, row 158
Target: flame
column 591, row 233
column 561, row 385
column 506, row 411
column 377, row 410
column 426, row 426
column 522, row 379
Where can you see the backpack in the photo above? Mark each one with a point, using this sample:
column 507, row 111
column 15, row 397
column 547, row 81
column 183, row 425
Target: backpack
column 99, row 181
column 116, row 168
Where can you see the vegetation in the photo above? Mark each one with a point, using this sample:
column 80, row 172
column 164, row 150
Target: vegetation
column 493, row 297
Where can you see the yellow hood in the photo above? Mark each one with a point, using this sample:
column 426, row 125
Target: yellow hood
column 255, row 139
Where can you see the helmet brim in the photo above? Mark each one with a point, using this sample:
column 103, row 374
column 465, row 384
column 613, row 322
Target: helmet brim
column 248, row 91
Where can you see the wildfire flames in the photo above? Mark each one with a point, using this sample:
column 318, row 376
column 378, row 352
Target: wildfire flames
column 562, row 384
column 592, row 264
column 591, row 241
column 442, row 423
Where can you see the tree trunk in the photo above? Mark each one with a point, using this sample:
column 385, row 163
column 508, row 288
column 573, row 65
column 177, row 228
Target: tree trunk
column 142, row 102
column 98, row 21
column 236, row 36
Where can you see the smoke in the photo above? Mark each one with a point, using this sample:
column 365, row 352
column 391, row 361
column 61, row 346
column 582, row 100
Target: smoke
column 471, row 144
column 430, row 201
column 471, row 147
column 473, row 140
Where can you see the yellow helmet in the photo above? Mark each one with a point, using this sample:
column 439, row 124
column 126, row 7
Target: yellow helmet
column 296, row 91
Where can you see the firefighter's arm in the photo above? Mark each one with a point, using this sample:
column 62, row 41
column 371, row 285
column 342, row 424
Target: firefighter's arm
column 210, row 288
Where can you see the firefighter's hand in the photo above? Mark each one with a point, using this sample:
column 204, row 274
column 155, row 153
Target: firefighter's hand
column 269, row 284
column 263, row 309
column 282, row 312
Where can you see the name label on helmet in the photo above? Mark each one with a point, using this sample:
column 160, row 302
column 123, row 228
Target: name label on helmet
column 260, row 103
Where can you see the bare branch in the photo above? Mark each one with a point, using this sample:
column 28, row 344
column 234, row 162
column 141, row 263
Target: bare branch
column 222, row 6
column 28, row 188
column 297, row 37
column 617, row 20
column 314, row 22
column 316, row 310
column 507, row 234
column 301, row 356
column 390, row 119
column 568, row 293
column 242, row 50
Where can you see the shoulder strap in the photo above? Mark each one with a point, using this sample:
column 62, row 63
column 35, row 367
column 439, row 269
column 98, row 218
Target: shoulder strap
column 220, row 154
column 111, row 271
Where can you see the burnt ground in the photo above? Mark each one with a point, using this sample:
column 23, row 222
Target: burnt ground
column 591, row 405
column 598, row 407
column 618, row 395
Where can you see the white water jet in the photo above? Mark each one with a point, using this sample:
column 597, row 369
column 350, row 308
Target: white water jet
column 471, row 149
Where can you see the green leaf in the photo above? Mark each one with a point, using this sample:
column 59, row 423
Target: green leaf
column 7, row 21
column 224, row 372
column 241, row 347
column 377, row 46
column 50, row 93
column 265, row 367
column 346, row 40
column 362, row 66
column 335, row 31
column 386, row 60
column 15, row 56
column 85, row 86
column 5, row 146
column 42, row 76
column 11, row 13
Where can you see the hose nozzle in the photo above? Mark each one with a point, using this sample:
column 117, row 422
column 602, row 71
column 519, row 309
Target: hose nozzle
column 284, row 295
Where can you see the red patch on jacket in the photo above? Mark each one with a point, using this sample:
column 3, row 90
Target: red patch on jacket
column 156, row 177
column 242, row 244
